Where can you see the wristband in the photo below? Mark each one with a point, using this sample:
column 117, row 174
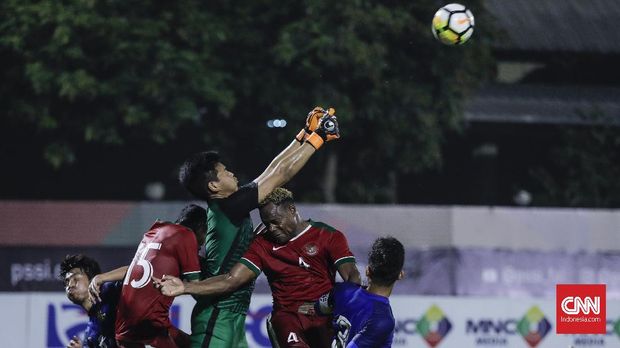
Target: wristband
column 301, row 136
column 315, row 140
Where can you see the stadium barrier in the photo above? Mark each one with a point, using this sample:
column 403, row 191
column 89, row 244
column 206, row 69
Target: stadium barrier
column 48, row 320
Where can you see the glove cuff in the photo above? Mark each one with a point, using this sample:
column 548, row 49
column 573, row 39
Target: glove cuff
column 315, row 140
column 301, row 136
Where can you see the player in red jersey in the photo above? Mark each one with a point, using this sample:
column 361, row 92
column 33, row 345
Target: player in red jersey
column 300, row 259
column 167, row 248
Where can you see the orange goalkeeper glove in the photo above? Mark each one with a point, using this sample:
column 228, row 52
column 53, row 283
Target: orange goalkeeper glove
column 312, row 122
column 327, row 131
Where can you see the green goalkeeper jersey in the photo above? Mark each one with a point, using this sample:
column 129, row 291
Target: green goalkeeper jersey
column 229, row 234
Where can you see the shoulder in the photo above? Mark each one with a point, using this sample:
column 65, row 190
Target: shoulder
column 244, row 190
column 382, row 317
column 346, row 287
column 239, row 204
column 261, row 241
column 343, row 292
column 323, row 226
column 111, row 291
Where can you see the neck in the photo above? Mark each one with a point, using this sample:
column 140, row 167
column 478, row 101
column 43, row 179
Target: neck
column 219, row 195
column 380, row 290
column 301, row 225
column 87, row 305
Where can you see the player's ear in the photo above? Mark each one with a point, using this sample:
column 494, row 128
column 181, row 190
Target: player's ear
column 367, row 272
column 213, row 186
column 401, row 275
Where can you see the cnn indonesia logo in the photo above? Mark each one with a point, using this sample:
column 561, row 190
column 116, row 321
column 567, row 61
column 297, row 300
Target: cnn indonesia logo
column 580, row 308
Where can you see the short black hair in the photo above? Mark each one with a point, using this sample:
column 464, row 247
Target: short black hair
column 193, row 217
column 197, row 171
column 385, row 260
column 88, row 265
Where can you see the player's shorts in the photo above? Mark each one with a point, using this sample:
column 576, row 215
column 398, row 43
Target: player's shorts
column 293, row 329
column 218, row 328
column 173, row 338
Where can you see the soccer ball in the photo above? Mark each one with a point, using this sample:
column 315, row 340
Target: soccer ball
column 453, row 24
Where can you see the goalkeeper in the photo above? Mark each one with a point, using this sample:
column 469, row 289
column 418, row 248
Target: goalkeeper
column 219, row 321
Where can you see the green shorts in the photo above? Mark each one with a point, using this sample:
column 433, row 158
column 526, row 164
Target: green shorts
column 217, row 328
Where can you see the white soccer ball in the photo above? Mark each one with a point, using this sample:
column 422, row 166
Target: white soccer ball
column 453, row 24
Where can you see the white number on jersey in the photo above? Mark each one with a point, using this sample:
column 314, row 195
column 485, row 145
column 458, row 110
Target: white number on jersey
column 292, row 337
column 146, row 265
column 303, row 263
column 344, row 326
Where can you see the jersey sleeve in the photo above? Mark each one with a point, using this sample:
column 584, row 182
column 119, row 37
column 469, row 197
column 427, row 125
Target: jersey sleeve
column 187, row 255
column 241, row 203
column 338, row 249
column 376, row 332
column 253, row 257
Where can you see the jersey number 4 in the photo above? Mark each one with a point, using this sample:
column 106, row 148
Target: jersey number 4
column 146, row 265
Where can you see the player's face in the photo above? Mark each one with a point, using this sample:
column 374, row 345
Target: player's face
column 227, row 182
column 280, row 222
column 76, row 285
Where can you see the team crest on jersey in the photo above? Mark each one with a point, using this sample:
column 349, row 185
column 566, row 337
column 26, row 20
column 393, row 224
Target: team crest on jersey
column 311, row 249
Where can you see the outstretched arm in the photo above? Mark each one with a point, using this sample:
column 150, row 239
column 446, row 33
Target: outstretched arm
column 321, row 126
column 222, row 284
column 95, row 284
column 281, row 172
column 294, row 145
column 312, row 122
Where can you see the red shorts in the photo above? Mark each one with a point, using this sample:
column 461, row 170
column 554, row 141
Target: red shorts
column 292, row 329
column 171, row 338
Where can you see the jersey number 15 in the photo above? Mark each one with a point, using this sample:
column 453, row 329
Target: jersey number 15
column 146, row 265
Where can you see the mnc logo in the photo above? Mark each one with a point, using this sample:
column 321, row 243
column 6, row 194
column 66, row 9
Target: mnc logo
column 434, row 326
column 534, row 326
column 65, row 320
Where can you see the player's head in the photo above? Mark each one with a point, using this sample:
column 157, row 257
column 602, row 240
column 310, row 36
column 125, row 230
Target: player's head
column 278, row 213
column 204, row 176
column 385, row 261
column 76, row 271
column 194, row 217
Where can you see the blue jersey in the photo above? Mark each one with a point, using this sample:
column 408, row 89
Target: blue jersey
column 100, row 329
column 361, row 319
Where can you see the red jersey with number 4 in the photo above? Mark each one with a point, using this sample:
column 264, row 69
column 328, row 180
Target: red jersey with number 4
column 304, row 268
column 166, row 248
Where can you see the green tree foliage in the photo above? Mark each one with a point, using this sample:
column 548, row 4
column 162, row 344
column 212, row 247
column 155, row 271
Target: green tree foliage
column 113, row 71
column 107, row 71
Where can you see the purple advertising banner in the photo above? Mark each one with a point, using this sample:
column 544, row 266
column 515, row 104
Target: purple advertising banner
column 438, row 271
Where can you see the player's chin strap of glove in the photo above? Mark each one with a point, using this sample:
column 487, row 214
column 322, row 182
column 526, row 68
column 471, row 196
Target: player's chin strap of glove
column 327, row 131
column 312, row 122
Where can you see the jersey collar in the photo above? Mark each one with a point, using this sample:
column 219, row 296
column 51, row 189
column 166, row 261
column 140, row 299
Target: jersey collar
column 300, row 233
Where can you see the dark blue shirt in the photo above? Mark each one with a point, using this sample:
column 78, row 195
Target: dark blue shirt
column 361, row 319
column 102, row 316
